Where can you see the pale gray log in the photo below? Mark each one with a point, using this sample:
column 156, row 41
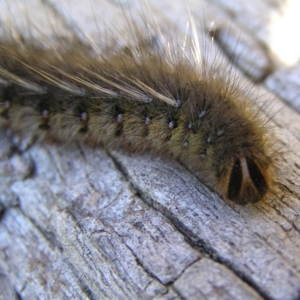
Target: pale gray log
column 214, row 281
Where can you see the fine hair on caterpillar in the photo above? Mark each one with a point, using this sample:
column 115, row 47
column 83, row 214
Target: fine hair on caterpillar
column 151, row 95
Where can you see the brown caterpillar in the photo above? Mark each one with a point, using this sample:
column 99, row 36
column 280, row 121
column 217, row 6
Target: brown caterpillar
column 166, row 101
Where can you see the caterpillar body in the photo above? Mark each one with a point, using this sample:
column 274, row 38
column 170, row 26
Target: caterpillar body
column 167, row 101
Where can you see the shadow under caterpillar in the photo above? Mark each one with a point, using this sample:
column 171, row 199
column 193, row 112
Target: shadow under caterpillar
column 166, row 101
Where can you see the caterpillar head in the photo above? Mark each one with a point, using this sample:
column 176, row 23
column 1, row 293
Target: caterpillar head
column 246, row 179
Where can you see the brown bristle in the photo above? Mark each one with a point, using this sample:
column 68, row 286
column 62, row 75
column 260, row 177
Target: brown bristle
column 160, row 101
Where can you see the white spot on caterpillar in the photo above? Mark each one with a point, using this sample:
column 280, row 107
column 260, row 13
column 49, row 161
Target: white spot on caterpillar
column 171, row 124
column 177, row 103
column 150, row 99
column 185, row 144
column 201, row 114
column 45, row 113
column 220, row 132
column 120, row 118
column 147, row 121
column 83, row 116
column 202, row 155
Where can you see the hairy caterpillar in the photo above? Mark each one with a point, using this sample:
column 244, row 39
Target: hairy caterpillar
column 167, row 101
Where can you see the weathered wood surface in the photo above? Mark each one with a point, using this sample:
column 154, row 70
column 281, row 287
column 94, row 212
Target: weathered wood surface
column 81, row 223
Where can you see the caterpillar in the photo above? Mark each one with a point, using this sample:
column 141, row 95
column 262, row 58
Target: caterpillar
column 152, row 95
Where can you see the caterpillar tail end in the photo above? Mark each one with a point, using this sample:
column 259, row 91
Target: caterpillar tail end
column 247, row 180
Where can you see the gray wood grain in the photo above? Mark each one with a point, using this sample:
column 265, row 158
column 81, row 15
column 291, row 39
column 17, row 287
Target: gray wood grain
column 82, row 223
